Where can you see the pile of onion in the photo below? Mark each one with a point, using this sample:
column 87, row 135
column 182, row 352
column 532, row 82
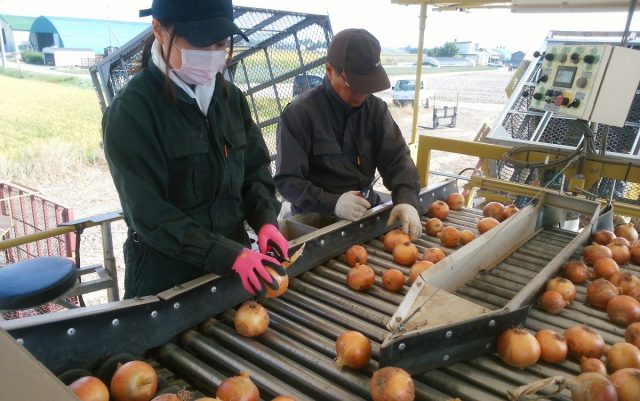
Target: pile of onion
column 439, row 209
column 623, row 310
column 433, row 226
column 486, row 224
column 552, row 302
column 627, row 383
column 361, row 277
column 134, row 381
column 393, row 238
column 433, row 255
column 418, row 268
column 90, row 388
column 553, row 347
column 576, row 271
column 605, row 267
column 594, row 252
column 251, row 319
column 356, row 254
column 600, row 292
column 353, row 350
column 603, row 237
column 494, row 210
column 627, row 231
column 405, row 253
column 392, row 384
column 449, row 236
column 593, row 365
column 393, row 280
column 518, row 348
column 455, row 201
column 583, row 341
column 238, row 388
column 563, row 286
column 623, row 355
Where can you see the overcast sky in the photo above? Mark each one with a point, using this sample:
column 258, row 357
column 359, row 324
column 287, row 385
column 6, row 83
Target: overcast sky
column 394, row 25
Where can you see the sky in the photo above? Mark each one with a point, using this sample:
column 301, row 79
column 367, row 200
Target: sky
column 394, row 25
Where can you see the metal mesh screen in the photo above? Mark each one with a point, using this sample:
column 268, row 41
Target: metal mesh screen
column 285, row 55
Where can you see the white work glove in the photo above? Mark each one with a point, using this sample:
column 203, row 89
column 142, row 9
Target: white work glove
column 409, row 218
column 351, row 206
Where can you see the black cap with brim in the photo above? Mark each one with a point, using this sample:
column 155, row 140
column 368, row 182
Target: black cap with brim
column 369, row 83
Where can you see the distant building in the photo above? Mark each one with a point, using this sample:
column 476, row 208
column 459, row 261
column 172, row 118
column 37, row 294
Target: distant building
column 516, row 58
column 473, row 51
column 65, row 57
column 448, row 62
column 15, row 31
column 80, row 33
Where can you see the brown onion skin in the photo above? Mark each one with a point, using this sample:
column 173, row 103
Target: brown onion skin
column 623, row 355
column 625, row 281
column 405, row 254
column 361, row 277
column 90, row 388
column 627, row 231
column 605, row 267
column 392, row 384
column 393, row 238
column 509, row 211
column 592, row 387
column 603, row 237
column 552, row 302
column 635, row 253
column 449, row 236
column 356, row 255
column 553, row 347
column 439, row 209
column 353, row 350
column 455, row 201
column 134, row 381
column 632, row 334
column 594, row 252
column 634, row 293
column 619, row 253
column 433, row 226
column 284, row 398
column 487, row 224
column 627, row 383
column 623, row 310
column 593, row 365
column 393, row 280
column 251, row 319
column 600, row 292
column 583, row 341
column 576, row 271
column 466, row 236
column 283, row 284
column 518, row 348
column 166, row 397
column 418, row 268
column 563, row 286
column 238, row 388
column 433, row 255
column 494, row 210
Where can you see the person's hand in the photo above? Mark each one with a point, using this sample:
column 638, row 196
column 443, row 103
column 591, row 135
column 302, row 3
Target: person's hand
column 409, row 218
column 250, row 266
column 268, row 236
column 351, row 206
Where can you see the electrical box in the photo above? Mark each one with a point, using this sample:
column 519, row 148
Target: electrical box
column 590, row 82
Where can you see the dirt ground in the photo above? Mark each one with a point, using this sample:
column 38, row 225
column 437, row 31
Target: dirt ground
column 480, row 99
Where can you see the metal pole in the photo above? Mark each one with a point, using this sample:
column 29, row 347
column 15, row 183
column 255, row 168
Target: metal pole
column 110, row 261
column 4, row 56
column 416, row 96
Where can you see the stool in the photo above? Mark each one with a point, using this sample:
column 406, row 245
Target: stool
column 35, row 282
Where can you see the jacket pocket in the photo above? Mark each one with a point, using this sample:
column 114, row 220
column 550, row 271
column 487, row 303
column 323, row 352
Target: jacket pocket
column 235, row 158
column 190, row 179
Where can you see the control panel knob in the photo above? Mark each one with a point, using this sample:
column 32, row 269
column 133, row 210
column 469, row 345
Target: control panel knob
column 575, row 103
column 538, row 96
column 562, row 58
column 549, row 56
column 575, row 57
column 561, row 101
column 549, row 92
column 589, row 59
column 582, row 82
column 537, row 54
column 543, row 78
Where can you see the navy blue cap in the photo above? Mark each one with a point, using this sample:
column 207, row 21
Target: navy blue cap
column 200, row 22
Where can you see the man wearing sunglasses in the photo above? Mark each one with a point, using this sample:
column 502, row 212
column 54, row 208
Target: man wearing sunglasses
column 331, row 140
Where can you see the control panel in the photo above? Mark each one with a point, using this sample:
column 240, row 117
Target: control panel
column 590, row 82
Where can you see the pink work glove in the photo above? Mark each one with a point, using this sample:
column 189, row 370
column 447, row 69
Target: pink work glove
column 248, row 263
column 269, row 237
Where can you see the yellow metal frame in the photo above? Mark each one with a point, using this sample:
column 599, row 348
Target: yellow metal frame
column 595, row 167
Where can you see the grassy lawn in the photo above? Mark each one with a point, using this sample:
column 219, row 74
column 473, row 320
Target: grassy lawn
column 49, row 125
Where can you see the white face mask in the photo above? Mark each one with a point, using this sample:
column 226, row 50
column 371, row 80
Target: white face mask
column 199, row 67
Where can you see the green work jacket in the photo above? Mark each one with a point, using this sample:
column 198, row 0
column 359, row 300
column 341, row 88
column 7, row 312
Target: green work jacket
column 187, row 181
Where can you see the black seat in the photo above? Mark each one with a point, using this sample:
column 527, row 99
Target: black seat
column 35, row 282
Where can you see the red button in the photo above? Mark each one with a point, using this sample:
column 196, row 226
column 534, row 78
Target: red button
column 562, row 101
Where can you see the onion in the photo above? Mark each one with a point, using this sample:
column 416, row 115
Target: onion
column 605, row 267
column 356, row 254
column 625, row 281
column 455, row 201
column 623, row 355
column 623, row 310
column 592, row 387
column 393, row 238
column 508, row 211
column 620, row 253
column 439, row 209
column 627, row 231
column 632, row 334
column 603, row 237
column 206, row 399
column 583, row 341
column 393, row 280
column 635, row 253
column 552, row 302
column 282, row 281
column 405, row 253
column 627, row 383
column 353, row 350
column 418, row 268
column 487, row 224
column 466, row 236
column 576, row 271
column 449, row 236
column 593, row 365
column 433, row 226
column 134, row 381
column 238, row 388
column 433, row 255
column 392, row 384
column 90, row 388
column 563, row 286
column 167, row 397
column 634, row 293
column 494, row 210
column 361, row 277
column 518, row 348
column 284, row 398
column 553, row 347
column 251, row 319
column 600, row 292
column 620, row 241
column 594, row 252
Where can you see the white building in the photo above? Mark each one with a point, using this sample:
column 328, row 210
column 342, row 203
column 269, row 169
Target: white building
column 64, row 57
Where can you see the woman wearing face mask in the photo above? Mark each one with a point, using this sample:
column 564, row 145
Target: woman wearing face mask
column 189, row 163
